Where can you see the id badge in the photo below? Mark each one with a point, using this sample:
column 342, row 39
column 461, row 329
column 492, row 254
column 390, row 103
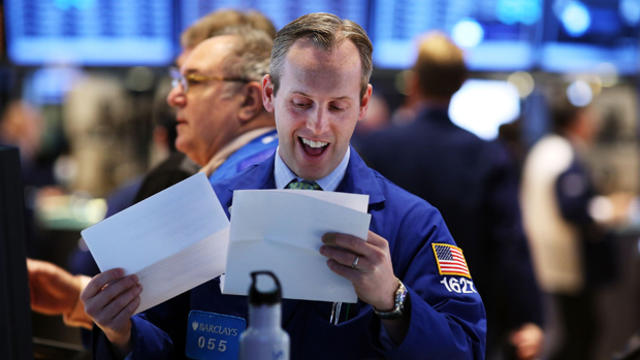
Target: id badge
column 213, row 336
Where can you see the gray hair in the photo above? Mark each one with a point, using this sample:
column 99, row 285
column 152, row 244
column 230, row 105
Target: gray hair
column 250, row 55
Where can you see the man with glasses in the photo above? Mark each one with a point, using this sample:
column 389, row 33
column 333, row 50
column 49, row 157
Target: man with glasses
column 221, row 123
column 222, row 127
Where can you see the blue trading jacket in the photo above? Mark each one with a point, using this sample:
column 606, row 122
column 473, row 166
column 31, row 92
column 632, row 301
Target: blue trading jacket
column 445, row 322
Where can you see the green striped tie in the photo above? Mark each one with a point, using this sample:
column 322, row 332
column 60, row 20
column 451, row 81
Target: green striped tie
column 303, row 185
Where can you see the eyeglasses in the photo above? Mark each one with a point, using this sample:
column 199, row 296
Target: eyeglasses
column 192, row 79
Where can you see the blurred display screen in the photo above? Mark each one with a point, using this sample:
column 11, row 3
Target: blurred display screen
column 280, row 12
column 585, row 35
column 481, row 106
column 90, row 32
column 497, row 35
column 49, row 84
column 486, row 29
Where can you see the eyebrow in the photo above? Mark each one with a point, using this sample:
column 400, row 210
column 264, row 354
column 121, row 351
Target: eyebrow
column 341, row 98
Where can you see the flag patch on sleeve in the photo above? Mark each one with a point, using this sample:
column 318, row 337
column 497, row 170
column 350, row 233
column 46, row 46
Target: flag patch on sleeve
column 450, row 260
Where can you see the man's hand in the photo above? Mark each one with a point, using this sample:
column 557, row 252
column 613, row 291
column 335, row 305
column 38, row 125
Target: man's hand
column 110, row 299
column 53, row 290
column 528, row 341
column 372, row 276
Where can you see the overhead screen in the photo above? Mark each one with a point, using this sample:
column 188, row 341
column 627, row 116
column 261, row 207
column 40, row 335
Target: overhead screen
column 497, row 35
column 394, row 25
column 90, row 32
column 488, row 28
column 591, row 34
column 280, row 12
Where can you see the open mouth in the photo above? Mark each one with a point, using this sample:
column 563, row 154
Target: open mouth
column 313, row 148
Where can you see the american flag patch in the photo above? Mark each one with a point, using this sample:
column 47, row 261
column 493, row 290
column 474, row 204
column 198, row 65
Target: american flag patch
column 450, row 260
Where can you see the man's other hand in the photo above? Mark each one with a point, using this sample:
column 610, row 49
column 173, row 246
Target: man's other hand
column 110, row 300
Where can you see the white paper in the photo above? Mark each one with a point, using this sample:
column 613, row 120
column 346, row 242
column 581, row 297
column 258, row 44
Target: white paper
column 357, row 202
column 281, row 231
column 174, row 240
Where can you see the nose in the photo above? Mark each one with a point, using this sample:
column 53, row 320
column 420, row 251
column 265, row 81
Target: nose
column 176, row 97
column 318, row 122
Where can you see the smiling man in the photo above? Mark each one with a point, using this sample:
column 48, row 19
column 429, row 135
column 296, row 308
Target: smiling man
column 318, row 105
column 416, row 298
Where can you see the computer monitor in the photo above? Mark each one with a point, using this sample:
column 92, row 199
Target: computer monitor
column 92, row 33
column 15, row 314
column 280, row 12
column 495, row 36
column 591, row 36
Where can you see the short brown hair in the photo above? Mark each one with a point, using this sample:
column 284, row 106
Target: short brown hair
column 440, row 66
column 214, row 22
column 326, row 31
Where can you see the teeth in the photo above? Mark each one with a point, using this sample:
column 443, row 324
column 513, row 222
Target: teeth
column 313, row 144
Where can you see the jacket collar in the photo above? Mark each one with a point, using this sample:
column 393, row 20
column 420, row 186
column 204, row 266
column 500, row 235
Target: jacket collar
column 358, row 179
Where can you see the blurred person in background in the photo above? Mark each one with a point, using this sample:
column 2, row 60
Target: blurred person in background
column 564, row 218
column 474, row 185
column 22, row 125
column 408, row 110
column 53, row 289
column 99, row 127
column 376, row 119
column 510, row 135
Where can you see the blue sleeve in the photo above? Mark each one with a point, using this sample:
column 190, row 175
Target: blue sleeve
column 157, row 333
column 443, row 324
column 147, row 341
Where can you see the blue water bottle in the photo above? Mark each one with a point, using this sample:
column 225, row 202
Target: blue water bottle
column 264, row 339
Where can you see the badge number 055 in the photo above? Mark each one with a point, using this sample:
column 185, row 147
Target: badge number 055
column 213, row 336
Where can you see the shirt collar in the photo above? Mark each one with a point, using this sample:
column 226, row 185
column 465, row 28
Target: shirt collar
column 283, row 175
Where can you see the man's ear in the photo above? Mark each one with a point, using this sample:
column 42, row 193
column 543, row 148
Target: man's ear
column 252, row 102
column 267, row 93
column 364, row 102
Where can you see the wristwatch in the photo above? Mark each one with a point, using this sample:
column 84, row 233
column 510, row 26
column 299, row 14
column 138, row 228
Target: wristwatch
column 398, row 304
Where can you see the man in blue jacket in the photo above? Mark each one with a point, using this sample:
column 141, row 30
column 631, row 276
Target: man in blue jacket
column 416, row 297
